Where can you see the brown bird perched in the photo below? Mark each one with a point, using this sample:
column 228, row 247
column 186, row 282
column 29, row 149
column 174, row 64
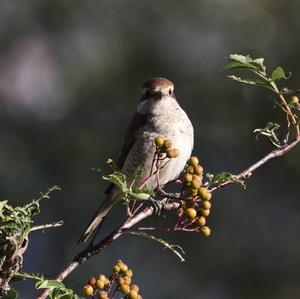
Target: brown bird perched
column 158, row 113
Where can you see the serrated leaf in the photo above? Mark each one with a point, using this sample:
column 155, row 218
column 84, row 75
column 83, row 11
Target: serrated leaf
column 256, row 82
column 240, row 58
column 279, row 73
column 238, row 65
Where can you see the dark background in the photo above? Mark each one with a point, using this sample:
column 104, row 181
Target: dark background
column 70, row 73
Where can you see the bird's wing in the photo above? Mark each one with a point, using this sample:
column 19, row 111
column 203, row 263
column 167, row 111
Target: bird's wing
column 137, row 122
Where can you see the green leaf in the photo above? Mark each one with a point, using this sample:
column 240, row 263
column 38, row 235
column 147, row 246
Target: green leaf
column 227, row 177
column 241, row 61
column 12, row 294
column 51, row 284
column 279, row 73
column 256, row 82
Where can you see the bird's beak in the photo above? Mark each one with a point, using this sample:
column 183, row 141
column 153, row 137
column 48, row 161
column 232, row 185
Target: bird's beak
column 158, row 95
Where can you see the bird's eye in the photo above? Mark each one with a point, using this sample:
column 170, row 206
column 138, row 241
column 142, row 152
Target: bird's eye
column 170, row 91
column 147, row 93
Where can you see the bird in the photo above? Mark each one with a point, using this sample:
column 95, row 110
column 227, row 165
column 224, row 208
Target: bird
column 158, row 114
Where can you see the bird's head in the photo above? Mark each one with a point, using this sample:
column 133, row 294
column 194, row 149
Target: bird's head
column 156, row 90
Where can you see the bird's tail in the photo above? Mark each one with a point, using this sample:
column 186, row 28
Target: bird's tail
column 108, row 203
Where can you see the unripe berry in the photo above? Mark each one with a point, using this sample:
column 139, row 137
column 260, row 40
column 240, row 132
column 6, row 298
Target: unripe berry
column 190, row 169
column 195, row 184
column 127, row 280
column 133, row 295
column 100, row 284
column 88, row 290
column 116, row 269
column 206, row 205
column 124, row 288
column 201, row 221
column 172, row 153
column 102, row 277
column 205, row 230
column 167, row 144
column 187, row 178
column 128, row 273
column 204, row 212
column 135, row 287
column 204, row 193
column 92, row 281
column 198, row 169
column 294, row 100
column 193, row 161
column 190, row 213
column 193, row 191
column 159, row 141
column 123, row 268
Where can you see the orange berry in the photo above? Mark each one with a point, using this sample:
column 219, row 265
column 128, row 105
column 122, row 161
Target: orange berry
column 92, row 281
column 167, row 144
column 172, row 153
column 103, row 295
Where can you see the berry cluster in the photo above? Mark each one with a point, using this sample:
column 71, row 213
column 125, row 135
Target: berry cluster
column 164, row 146
column 120, row 281
column 197, row 205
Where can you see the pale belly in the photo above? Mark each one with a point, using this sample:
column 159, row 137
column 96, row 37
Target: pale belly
column 142, row 154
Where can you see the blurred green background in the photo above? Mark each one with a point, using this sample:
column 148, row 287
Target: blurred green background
column 70, row 73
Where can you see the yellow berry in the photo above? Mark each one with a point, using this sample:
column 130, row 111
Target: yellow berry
column 127, row 280
column 128, row 273
column 201, row 221
column 294, row 100
column 193, row 161
column 190, row 213
column 205, row 230
column 100, row 284
column 190, row 169
column 195, row 184
column 172, row 153
column 159, row 141
column 187, row 178
column 124, row 288
column 206, row 205
column 167, row 144
column 198, row 169
column 123, row 268
column 102, row 277
column 134, row 287
column 133, row 295
column 204, row 212
column 193, row 191
column 88, row 290
column 204, row 193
